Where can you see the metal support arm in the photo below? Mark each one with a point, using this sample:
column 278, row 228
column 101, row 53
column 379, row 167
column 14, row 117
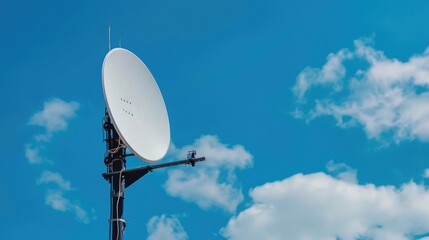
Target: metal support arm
column 132, row 175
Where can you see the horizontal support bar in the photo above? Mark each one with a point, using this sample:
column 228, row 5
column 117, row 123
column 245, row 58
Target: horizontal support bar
column 150, row 168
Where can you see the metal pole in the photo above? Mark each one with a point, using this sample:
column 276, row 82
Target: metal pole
column 120, row 178
column 116, row 162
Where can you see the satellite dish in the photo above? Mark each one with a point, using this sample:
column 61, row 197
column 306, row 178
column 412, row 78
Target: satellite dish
column 135, row 105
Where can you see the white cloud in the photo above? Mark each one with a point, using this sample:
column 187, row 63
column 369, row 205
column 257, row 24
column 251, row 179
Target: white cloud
column 331, row 73
column 54, row 117
column 56, row 200
column 81, row 214
column 387, row 97
column 342, row 171
column 211, row 183
column 426, row 173
column 55, row 197
column 318, row 206
column 33, row 154
column 56, row 178
column 165, row 228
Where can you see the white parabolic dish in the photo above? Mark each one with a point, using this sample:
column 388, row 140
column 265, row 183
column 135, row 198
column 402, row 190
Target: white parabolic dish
column 135, row 105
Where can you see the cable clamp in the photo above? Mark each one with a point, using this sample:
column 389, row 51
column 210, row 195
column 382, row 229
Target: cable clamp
column 117, row 220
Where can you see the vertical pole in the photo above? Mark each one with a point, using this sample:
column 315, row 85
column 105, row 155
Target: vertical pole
column 117, row 163
column 109, row 35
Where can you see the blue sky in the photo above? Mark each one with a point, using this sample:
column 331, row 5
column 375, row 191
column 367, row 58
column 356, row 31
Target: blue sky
column 312, row 116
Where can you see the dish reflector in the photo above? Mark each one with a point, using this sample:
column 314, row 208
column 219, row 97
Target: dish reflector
column 135, row 105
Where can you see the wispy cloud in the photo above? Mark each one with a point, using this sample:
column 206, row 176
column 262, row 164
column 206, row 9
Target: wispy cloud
column 55, row 195
column 212, row 183
column 165, row 228
column 32, row 154
column 389, row 98
column 331, row 73
column 56, row 178
column 54, row 118
column 318, row 206
column 426, row 173
column 56, row 200
column 342, row 171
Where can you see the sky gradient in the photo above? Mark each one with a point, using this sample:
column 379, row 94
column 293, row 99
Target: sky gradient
column 312, row 116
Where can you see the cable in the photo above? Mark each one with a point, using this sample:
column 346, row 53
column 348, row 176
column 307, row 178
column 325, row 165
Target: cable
column 117, row 203
column 111, row 212
column 120, row 145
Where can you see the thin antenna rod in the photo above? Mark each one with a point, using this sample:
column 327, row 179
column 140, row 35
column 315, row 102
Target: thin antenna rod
column 109, row 35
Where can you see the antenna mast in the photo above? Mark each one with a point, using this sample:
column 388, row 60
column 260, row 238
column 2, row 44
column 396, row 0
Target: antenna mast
column 127, row 81
column 115, row 161
column 109, row 36
column 120, row 178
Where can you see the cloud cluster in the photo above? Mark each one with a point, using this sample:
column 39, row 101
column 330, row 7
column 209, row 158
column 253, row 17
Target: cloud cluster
column 55, row 195
column 212, row 183
column 165, row 228
column 389, row 98
column 54, row 118
column 319, row 206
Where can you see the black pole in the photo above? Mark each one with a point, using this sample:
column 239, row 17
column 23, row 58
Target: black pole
column 120, row 178
column 116, row 163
